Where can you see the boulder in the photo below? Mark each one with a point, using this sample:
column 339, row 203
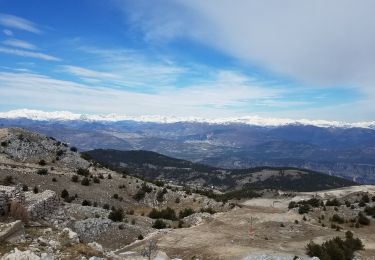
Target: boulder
column 20, row 255
column 161, row 256
column 71, row 235
column 96, row 246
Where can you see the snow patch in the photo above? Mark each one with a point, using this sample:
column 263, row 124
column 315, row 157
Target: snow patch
column 38, row 115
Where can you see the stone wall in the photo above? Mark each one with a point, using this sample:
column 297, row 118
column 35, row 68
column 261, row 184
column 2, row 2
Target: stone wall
column 38, row 205
column 41, row 204
column 9, row 193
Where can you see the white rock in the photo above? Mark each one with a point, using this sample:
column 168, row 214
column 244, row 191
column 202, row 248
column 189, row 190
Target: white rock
column 45, row 256
column 42, row 241
column 161, row 256
column 20, row 255
column 54, row 243
column 71, row 235
column 96, row 246
column 47, row 231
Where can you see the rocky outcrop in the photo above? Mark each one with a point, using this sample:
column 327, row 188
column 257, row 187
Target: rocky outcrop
column 24, row 146
column 91, row 228
column 8, row 231
column 70, row 235
column 197, row 218
column 41, row 204
column 14, row 193
column 37, row 205
column 26, row 255
column 17, row 254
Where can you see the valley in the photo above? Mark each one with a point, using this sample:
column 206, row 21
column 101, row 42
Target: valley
column 347, row 151
column 154, row 166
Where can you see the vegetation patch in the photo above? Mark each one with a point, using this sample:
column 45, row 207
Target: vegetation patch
column 167, row 213
column 336, row 248
column 116, row 215
column 159, row 224
column 83, row 172
column 370, row 211
column 42, row 172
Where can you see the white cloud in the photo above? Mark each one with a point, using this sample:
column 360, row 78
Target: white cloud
column 315, row 42
column 8, row 32
column 126, row 68
column 43, row 92
column 19, row 44
column 162, row 21
column 30, row 54
column 87, row 73
column 15, row 22
column 229, row 94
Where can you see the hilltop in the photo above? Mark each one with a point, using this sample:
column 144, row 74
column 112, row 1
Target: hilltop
column 83, row 194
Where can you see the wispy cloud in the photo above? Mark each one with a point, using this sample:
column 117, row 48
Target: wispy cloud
column 19, row 44
column 205, row 100
column 126, row 68
column 88, row 73
column 31, row 54
column 8, row 32
column 15, row 22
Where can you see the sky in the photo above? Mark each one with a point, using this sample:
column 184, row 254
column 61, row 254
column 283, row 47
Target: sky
column 213, row 58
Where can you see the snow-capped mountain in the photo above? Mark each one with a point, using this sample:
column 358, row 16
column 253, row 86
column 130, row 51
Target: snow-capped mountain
column 343, row 149
column 39, row 115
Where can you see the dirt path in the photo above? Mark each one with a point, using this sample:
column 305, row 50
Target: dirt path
column 227, row 236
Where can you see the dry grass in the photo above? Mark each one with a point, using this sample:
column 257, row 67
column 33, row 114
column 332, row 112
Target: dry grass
column 34, row 231
column 6, row 247
column 76, row 251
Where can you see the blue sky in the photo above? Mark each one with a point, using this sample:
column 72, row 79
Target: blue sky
column 189, row 58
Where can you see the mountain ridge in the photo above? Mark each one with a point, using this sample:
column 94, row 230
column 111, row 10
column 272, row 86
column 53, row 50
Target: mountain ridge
column 40, row 115
column 152, row 165
column 345, row 152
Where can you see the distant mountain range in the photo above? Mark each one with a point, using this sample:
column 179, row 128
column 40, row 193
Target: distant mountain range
column 248, row 120
column 341, row 149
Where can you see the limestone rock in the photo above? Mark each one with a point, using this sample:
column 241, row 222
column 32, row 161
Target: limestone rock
column 197, row 218
column 161, row 256
column 96, row 246
column 72, row 236
column 21, row 255
column 91, row 228
column 11, row 230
